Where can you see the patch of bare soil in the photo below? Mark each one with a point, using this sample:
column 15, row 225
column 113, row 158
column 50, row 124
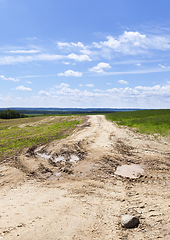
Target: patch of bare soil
column 48, row 120
column 67, row 189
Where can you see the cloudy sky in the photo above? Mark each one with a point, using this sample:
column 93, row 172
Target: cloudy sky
column 85, row 53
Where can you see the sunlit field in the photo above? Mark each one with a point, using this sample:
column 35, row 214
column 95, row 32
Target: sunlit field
column 145, row 121
column 16, row 134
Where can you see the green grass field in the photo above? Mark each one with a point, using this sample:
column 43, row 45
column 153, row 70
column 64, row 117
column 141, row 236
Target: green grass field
column 16, row 134
column 144, row 121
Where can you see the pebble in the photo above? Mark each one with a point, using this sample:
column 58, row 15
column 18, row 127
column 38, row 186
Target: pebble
column 129, row 221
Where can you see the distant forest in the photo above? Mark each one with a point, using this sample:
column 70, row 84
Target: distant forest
column 10, row 114
column 63, row 111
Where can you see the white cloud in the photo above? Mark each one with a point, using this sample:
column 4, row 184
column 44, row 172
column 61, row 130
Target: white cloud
column 63, row 85
column 123, row 82
column 90, row 85
column 140, row 96
column 31, row 38
column 157, row 89
column 128, row 43
column 68, row 91
column 7, row 60
column 157, row 96
column 142, row 91
column 79, row 58
column 100, row 67
column 22, row 88
column 43, row 93
column 66, row 63
column 81, row 85
column 70, row 73
column 86, row 51
column 98, row 90
column 78, row 47
column 142, row 71
column 24, row 51
column 162, row 66
column 62, row 45
column 133, row 43
column 48, row 57
column 28, row 82
column 79, row 44
column 10, row 79
column 123, row 92
column 125, row 43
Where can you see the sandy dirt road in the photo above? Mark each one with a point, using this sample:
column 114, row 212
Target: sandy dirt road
column 68, row 189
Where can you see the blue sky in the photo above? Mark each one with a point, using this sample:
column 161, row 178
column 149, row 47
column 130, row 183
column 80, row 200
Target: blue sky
column 88, row 53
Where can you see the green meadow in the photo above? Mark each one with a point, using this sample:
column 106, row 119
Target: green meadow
column 16, row 134
column 144, row 121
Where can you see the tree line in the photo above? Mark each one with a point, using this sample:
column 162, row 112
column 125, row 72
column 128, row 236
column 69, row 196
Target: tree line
column 9, row 114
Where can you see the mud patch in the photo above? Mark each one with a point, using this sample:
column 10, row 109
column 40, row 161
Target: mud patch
column 67, row 153
column 31, row 151
column 124, row 149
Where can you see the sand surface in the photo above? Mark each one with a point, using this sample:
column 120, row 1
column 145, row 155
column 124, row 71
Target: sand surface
column 68, row 189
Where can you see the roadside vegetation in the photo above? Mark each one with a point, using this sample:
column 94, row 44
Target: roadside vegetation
column 145, row 121
column 16, row 134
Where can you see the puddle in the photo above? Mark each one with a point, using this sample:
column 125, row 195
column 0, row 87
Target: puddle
column 131, row 171
column 59, row 158
column 74, row 158
column 38, row 149
column 44, row 155
column 56, row 175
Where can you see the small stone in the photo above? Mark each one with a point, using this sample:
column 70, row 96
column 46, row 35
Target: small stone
column 130, row 171
column 129, row 221
column 142, row 206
